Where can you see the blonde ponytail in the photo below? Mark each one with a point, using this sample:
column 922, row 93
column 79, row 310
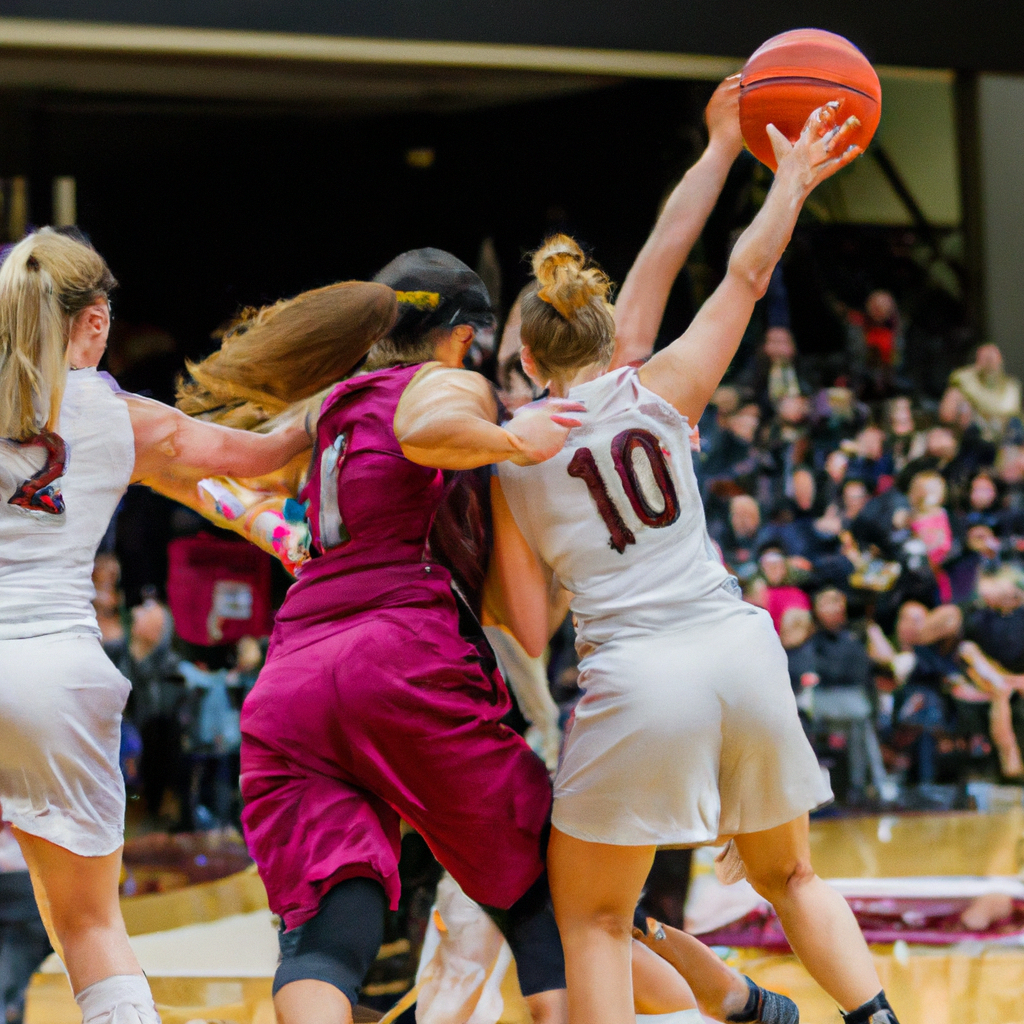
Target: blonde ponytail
column 567, row 321
column 564, row 280
column 46, row 280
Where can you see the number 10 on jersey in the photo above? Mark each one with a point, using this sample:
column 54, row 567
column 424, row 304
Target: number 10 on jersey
column 627, row 447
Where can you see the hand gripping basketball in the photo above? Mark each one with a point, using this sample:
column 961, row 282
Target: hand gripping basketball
column 822, row 149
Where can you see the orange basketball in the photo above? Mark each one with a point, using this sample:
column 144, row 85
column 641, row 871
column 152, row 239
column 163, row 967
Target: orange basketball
column 796, row 72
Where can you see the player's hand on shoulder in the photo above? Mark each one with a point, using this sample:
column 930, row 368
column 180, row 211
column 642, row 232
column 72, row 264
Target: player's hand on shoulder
column 542, row 428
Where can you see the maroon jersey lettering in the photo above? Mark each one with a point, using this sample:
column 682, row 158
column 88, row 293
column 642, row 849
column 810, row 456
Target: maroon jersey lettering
column 40, row 492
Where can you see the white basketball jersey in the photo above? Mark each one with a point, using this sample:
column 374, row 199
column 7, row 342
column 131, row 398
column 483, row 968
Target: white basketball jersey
column 617, row 514
column 47, row 546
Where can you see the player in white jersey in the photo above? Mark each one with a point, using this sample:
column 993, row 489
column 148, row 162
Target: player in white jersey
column 70, row 443
column 687, row 732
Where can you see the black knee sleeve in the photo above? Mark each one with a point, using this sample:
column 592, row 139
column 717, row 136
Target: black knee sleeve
column 339, row 943
column 530, row 929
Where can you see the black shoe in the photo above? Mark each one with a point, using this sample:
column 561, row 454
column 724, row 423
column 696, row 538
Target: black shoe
column 875, row 1011
column 767, row 1007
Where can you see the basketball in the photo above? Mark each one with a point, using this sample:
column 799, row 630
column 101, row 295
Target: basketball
column 793, row 74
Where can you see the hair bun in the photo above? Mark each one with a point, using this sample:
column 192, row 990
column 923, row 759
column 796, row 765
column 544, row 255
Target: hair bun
column 563, row 278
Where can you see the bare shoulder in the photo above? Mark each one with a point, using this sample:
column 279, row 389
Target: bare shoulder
column 435, row 382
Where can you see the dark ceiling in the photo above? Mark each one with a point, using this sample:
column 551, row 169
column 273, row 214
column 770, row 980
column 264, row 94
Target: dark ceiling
column 985, row 36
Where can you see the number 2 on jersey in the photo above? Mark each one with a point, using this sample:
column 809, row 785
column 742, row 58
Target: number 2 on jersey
column 625, row 446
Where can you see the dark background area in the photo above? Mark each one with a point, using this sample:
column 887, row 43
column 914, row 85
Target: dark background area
column 202, row 209
column 925, row 33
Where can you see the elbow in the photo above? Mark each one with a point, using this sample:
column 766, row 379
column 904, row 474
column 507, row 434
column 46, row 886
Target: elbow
column 753, row 279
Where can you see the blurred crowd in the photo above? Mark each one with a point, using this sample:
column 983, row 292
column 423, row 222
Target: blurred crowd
column 884, row 534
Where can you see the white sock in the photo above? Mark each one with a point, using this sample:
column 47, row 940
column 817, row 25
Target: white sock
column 119, row 999
column 677, row 1017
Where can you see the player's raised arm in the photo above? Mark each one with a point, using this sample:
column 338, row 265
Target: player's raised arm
column 644, row 293
column 688, row 371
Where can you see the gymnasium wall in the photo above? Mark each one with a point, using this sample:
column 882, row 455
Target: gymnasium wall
column 1001, row 130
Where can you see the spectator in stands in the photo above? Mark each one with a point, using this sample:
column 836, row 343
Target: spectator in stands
column 904, row 441
column 930, row 524
column 925, row 669
column 773, row 375
column 151, row 666
column 795, row 634
column 799, row 526
column 733, row 461
column 991, row 397
column 739, row 536
column 782, row 593
column 875, row 345
column 109, row 604
column 842, row 697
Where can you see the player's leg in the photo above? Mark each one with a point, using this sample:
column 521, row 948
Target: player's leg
column 595, row 888
column 817, row 921
column 325, row 959
column 78, row 899
column 658, row 988
column 721, row 992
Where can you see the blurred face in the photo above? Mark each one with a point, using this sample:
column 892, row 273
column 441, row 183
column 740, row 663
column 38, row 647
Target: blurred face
column 779, row 346
column 248, row 656
column 794, row 409
column 745, row 422
column 989, row 360
column 880, row 307
column 773, row 567
column 830, row 609
column 855, row 497
column 511, row 333
column 835, row 465
column 902, row 417
column 1011, row 465
column 982, row 541
column 999, row 593
column 106, row 575
column 983, row 493
column 757, row 593
column 519, row 391
column 803, row 489
column 148, row 621
column 909, row 623
column 927, row 491
column 744, row 516
column 797, row 627
column 726, row 400
column 941, row 443
column 870, row 443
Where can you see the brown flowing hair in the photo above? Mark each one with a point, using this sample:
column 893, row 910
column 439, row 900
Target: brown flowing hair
column 272, row 357
column 567, row 321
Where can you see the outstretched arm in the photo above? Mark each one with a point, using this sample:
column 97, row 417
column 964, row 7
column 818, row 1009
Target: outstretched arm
column 688, row 371
column 166, row 436
column 642, row 298
column 447, row 419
